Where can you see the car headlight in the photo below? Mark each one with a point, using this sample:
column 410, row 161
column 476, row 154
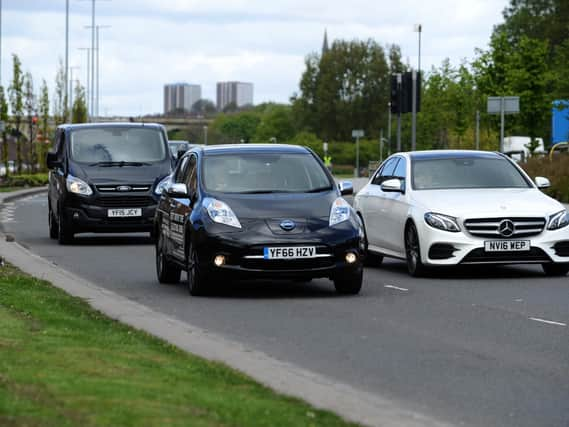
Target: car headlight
column 339, row 212
column 558, row 220
column 162, row 185
column 442, row 222
column 77, row 186
column 221, row 213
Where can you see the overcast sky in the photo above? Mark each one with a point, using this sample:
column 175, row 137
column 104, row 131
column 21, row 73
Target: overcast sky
column 153, row 42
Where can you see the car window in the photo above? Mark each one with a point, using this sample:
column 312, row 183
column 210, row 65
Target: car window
column 192, row 174
column 386, row 171
column 264, row 173
column 401, row 169
column 181, row 172
column 466, row 172
column 117, row 144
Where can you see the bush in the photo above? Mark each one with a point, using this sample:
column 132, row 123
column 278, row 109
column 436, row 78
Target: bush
column 557, row 170
column 35, row 180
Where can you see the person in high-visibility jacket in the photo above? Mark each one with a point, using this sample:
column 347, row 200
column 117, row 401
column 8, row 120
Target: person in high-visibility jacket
column 328, row 162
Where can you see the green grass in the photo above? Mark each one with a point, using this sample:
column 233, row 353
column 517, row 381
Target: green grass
column 8, row 189
column 64, row 364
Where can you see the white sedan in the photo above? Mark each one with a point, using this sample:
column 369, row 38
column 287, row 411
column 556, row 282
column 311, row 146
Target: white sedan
column 450, row 207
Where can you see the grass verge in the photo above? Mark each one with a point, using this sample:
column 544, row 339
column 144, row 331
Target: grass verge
column 64, row 364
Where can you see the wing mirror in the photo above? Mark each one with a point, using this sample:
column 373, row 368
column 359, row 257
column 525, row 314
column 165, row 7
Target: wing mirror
column 177, row 190
column 542, row 182
column 392, row 186
column 181, row 151
column 52, row 161
column 346, row 188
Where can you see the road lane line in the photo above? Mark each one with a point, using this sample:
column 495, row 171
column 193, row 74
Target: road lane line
column 396, row 288
column 549, row 322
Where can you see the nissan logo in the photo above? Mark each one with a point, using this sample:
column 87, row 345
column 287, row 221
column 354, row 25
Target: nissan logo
column 124, row 188
column 287, row 225
column 506, row 228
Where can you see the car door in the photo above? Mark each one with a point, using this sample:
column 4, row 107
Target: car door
column 167, row 208
column 395, row 211
column 182, row 208
column 57, row 176
column 375, row 225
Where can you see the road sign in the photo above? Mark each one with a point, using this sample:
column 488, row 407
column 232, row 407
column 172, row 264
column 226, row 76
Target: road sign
column 325, row 146
column 357, row 133
column 511, row 104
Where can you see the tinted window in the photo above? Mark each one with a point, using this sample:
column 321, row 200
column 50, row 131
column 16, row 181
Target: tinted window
column 385, row 171
column 181, row 171
column 401, row 169
column 472, row 172
column 192, row 175
column 117, row 145
column 264, row 172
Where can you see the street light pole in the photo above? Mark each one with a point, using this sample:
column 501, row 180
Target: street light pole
column 389, row 129
column 205, row 135
column 92, row 53
column 67, row 98
column 71, row 94
column 87, row 89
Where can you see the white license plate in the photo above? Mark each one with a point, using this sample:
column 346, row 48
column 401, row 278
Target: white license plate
column 294, row 252
column 123, row 213
column 506, row 245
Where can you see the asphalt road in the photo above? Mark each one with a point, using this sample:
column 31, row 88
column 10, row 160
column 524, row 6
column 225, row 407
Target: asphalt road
column 472, row 347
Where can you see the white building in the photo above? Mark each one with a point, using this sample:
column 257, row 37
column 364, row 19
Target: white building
column 180, row 96
column 240, row 93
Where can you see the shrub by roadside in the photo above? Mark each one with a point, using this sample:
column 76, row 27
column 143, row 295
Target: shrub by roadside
column 33, row 180
column 557, row 170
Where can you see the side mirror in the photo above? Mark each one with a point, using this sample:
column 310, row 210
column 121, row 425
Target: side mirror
column 346, row 188
column 52, row 161
column 180, row 153
column 542, row 182
column 392, row 186
column 177, row 190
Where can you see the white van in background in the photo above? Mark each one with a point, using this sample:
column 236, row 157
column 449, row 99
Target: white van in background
column 517, row 147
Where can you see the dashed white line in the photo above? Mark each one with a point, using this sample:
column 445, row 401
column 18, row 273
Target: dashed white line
column 396, row 288
column 549, row 322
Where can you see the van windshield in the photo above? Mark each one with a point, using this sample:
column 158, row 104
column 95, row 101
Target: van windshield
column 117, row 145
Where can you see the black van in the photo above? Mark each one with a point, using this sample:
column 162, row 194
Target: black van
column 106, row 177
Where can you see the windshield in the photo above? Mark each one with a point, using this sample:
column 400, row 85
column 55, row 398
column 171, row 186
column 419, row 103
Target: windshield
column 434, row 174
column 264, row 173
column 120, row 145
column 175, row 146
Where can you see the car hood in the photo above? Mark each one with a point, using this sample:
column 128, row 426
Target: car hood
column 280, row 205
column 484, row 203
column 99, row 175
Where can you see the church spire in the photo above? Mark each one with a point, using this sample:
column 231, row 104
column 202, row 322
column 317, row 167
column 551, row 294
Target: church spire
column 325, row 47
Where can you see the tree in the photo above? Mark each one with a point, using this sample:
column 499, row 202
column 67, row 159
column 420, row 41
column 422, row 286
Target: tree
column 60, row 109
column 238, row 127
column 276, row 122
column 79, row 111
column 204, row 106
column 17, row 106
column 4, row 119
column 30, row 107
column 231, row 107
column 44, row 123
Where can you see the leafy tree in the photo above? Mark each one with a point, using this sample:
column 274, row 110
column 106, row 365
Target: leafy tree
column 17, row 106
column 44, row 123
column 30, row 106
column 60, row 110
column 237, row 127
column 204, row 106
column 231, row 107
column 276, row 122
column 79, row 111
column 4, row 118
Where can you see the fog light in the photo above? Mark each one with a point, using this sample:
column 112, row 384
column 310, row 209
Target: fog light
column 219, row 260
column 351, row 257
column 76, row 215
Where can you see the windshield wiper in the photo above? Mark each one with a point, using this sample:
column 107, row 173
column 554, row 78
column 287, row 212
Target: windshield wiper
column 120, row 164
column 262, row 192
column 319, row 189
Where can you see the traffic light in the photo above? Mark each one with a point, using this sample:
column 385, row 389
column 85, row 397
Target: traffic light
column 395, row 95
column 35, row 120
column 407, row 93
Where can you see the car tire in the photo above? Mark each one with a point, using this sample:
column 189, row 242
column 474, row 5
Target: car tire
column 555, row 270
column 166, row 271
column 349, row 284
column 65, row 233
column 52, row 221
column 196, row 280
column 415, row 266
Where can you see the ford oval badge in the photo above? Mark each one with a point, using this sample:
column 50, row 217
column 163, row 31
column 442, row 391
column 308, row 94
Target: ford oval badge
column 124, row 188
column 287, row 225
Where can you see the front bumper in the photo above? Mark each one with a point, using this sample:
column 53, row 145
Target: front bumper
column 91, row 214
column 244, row 259
column 444, row 248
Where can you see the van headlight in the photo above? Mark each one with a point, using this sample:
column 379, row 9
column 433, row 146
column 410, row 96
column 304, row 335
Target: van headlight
column 442, row 222
column 558, row 220
column 77, row 186
column 162, row 185
column 221, row 213
column 339, row 212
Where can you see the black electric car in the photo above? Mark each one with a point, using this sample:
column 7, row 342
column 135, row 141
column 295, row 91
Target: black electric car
column 106, row 177
column 253, row 211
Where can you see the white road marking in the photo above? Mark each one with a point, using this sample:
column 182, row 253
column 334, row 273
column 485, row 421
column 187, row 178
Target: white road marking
column 396, row 288
column 519, row 300
column 549, row 322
